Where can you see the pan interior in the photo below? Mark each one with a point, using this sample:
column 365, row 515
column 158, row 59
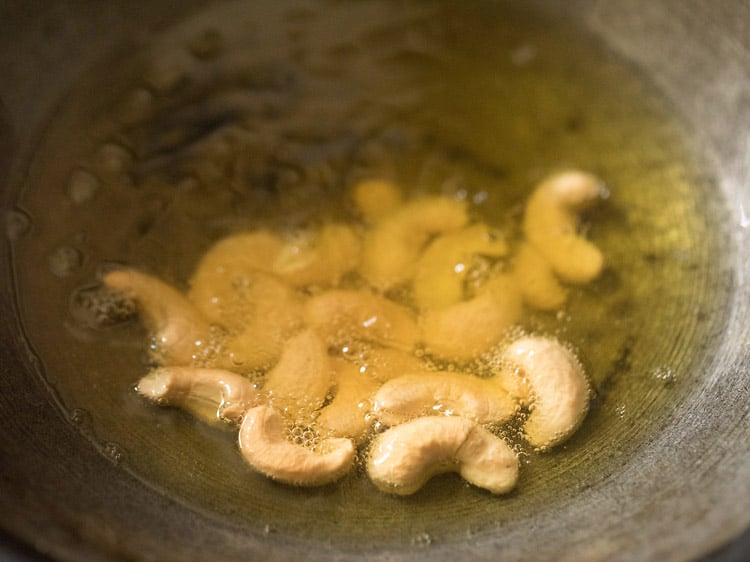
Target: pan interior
column 241, row 118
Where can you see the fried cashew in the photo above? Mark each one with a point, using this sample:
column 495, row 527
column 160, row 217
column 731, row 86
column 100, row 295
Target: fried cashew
column 300, row 381
column 321, row 260
column 551, row 224
column 374, row 199
column 391, row 248
column 348, row 414
column 558, row 389
column 218, row 283
column 536, row 280
column 272, row 313
column 341, row 316
column 405, row 457
column 445, row 263
column 178, row 328
column 264, row 445
column 481, row 400
column 210, row 394
column 470, row 328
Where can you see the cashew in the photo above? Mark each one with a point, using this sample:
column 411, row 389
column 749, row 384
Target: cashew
column 536, row 280
column 344, row 315
column 376, row 198
column 551, row 224
column 218, row 283
column 385, row 363
column 391, row 248
column 300, row 381
column 272, row 313
column 332, row 252
column 443, row 393
column 443, row 266
column 405, row 457
column 559, row 390
column 210, row 394
column 264, row 445
column 347, row 415
column 468, row 329
column 178, row 328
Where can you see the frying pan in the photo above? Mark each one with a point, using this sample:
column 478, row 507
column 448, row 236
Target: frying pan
column 681, row 493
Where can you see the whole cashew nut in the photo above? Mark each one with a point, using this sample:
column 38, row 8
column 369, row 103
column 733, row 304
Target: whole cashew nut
column 226, row 269
column 405, row 457
column 551, row 224
column 341, row 316
column 468, row 329
column 271, row 313
column 559, row 390
column 443, row 266
column 443, row 393
column 178, row 328
column 264, row 445
column 210, row 394
column 347, row 415
column 536, row 280
column 300, row 381
column 391, row 248
column 331, row 253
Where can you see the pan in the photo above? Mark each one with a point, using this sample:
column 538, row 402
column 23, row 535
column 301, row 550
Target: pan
column 651, row 97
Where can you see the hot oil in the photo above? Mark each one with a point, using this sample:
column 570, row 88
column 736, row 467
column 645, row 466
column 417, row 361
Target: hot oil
column 244, row 118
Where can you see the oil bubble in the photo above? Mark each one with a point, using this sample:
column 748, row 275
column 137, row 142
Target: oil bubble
column 114, row 452
column 64, row 261
column 665, row 375
column 96, row 307
column 113, row 158
column 80, row 417
column 523, row 54
column 82, row 186
column 17, row 223
column 137, row 107
column 421, row 540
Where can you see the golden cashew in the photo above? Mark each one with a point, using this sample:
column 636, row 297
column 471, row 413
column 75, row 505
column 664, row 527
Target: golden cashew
column 341, row 316
column 210, row 394
column 481, row 400
column 468, row 329
column 442, row 268
column 264, row 445
column 374, row 199
column 178, row 328
column 330, row 254
column 551, row 224
column 226, row 270
column 386, row 363
column 300, row 381
column 391, row 249
column 559, row 390
column 272, row 313
column 405, row 457
column 536, row 280
column 347, row 415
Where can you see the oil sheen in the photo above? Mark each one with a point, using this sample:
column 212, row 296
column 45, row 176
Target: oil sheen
column 262, row 115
